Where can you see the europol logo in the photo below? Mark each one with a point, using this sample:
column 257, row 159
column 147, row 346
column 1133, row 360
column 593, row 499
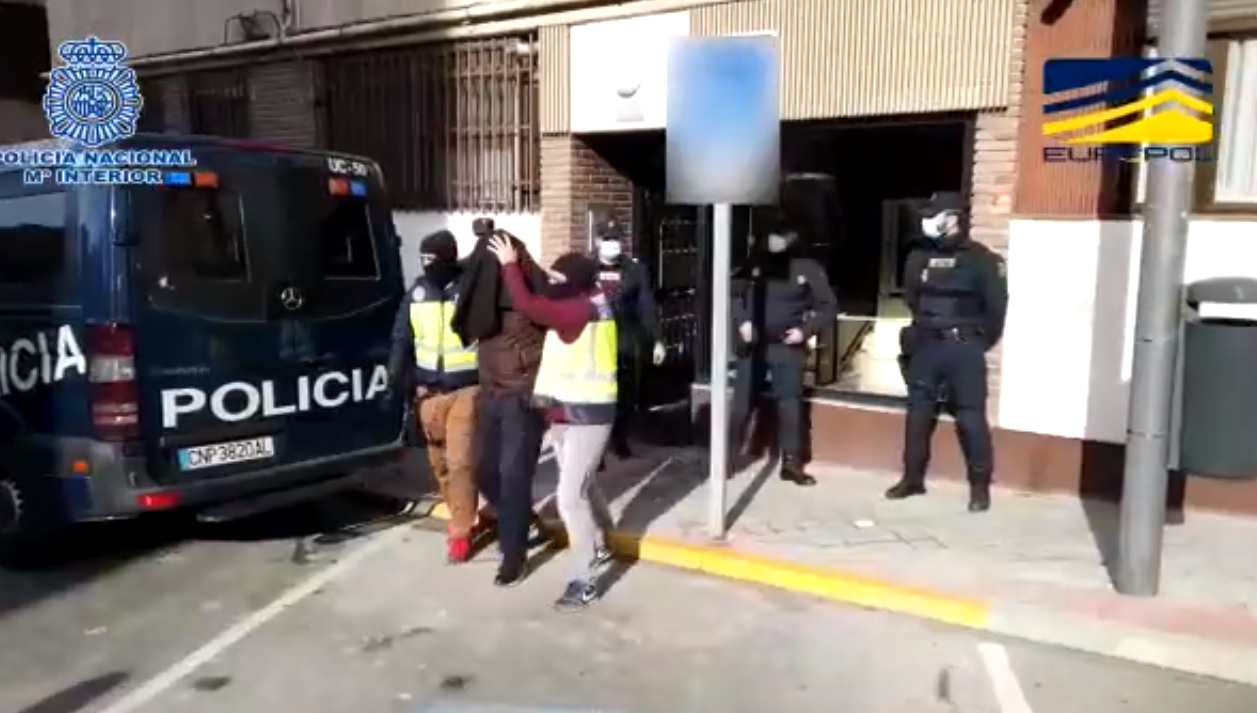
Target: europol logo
column 93, row 99
column 1159, row 108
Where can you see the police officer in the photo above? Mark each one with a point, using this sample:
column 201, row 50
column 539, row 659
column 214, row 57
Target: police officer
column 429, row 361
column 625, row 282
column 785, row 300
column 958, row 295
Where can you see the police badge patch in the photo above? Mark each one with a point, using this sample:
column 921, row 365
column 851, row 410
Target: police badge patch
column 93, row 99
column 418, row 293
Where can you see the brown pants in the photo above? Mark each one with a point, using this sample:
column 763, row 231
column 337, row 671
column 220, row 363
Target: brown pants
column 448, row 422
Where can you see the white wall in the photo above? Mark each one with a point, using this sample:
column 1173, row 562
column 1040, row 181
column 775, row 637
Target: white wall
column 1072, row 286
column 618, row 71
column 414, row 226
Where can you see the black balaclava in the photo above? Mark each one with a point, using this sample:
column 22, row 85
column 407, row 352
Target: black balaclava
column 776, row 244
column 439, row 254
column 580, row 276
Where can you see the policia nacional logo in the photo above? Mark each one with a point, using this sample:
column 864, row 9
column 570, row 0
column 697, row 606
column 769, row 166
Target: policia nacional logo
column 93, row 99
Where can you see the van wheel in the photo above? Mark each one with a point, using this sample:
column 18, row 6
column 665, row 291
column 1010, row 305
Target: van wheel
column 27, row 535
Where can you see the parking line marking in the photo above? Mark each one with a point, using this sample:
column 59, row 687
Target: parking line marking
column 1004, row 681
column 164, row 681
column 167, row 679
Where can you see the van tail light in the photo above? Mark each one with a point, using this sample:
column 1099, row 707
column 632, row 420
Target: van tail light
column 115, row 397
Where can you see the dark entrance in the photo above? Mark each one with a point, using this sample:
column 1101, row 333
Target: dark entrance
column 669, row 241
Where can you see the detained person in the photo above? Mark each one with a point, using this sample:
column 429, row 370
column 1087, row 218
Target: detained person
column 576, row 386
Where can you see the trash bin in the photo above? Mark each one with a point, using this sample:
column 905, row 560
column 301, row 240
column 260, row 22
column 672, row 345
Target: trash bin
column 1218, row 432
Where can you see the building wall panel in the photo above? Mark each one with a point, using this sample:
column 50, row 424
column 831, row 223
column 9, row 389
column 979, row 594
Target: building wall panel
column 849, row 58
column 164, row 26
column 1221, row 13
column 1096, row 28
column 554, row 65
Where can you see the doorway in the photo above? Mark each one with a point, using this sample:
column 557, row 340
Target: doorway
column 669, row 240
column 852, row 192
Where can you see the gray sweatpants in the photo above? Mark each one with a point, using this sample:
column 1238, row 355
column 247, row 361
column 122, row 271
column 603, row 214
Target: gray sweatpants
column 583, row 506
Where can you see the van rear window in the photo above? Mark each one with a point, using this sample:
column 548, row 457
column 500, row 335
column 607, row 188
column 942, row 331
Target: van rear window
column 338, row 222
column 227, row 245
column 346, row 246
column 200, row 235
column 32, row 238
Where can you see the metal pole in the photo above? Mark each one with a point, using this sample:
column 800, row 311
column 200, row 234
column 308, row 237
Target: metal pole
column 1166, row 208
column 717, row 476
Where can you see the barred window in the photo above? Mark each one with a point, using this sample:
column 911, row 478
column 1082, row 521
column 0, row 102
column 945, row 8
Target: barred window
column 153, row 114
column 218, row 103
column 454, row 125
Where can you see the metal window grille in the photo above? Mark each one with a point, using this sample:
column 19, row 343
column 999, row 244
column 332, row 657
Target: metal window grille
column 153, row 115
column 218, row 103
column 454, row 125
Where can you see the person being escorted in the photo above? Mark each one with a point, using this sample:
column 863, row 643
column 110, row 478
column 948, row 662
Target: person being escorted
column 787, row 300
column 957, row 292
column 429, row 361
column 626, row 283
column 509, row 429
column 577, row 386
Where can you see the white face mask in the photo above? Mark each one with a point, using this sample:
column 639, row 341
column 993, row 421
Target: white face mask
column 778, row 243
column 609, row 250
column 937, row 226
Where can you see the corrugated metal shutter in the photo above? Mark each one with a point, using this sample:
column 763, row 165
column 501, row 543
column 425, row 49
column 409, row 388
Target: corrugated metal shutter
column 282, row 106
column 169, row 96
column 1219, row 11
column 845, row 58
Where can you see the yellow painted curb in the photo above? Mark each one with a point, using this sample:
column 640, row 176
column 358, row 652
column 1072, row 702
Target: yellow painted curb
column 819, row 582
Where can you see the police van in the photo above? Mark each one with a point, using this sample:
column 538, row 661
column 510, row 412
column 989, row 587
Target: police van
column 217, row 341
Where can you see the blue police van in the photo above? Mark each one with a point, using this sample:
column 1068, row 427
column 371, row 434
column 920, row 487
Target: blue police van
column 219, row 341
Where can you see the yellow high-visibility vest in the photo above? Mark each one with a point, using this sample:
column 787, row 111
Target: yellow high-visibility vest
column 438, row 349
column 580, row 377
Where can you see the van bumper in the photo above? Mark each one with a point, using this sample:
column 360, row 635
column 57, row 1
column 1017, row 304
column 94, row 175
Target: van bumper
column 119, row 488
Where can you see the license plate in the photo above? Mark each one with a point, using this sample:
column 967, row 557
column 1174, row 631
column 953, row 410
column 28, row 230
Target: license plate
column 217, row 454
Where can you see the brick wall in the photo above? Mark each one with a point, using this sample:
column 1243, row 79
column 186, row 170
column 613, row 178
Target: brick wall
column 1097, row 28
column 573, row 177
column 995, row 178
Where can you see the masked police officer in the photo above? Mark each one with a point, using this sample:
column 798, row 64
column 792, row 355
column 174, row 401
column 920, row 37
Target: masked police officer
column 429, row 361
column 785, row 299
column 958, row 295
column 625, row 282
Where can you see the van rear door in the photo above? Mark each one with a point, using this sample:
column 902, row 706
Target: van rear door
column 267, row 286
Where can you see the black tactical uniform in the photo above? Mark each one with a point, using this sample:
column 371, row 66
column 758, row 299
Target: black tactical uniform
column 958, row 295
column 625, row 281
column 782, row 295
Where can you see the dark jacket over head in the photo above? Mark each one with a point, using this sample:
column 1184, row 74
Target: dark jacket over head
column 508, row 343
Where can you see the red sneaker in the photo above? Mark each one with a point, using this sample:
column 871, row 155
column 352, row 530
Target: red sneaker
column 458, row 549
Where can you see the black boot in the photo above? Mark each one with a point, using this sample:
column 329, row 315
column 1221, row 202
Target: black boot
column 620, row 447
column 792, row 472
column 979, row 496
column 905, row 488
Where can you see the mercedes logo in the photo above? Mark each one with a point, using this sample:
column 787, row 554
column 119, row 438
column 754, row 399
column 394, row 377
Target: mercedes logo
column 291, row 299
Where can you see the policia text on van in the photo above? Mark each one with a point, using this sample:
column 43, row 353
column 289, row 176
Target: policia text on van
column 218, row 340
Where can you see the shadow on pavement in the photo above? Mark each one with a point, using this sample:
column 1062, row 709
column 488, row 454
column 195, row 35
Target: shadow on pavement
column 78, row 697
column 99, row 550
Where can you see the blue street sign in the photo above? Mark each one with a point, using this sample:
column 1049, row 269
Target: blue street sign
column 723, row 126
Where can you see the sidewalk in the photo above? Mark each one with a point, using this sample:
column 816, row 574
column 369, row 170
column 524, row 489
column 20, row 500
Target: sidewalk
column 1031, row 568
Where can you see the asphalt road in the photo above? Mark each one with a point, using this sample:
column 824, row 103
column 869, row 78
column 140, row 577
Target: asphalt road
column 380, row 623
column 127, row 599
